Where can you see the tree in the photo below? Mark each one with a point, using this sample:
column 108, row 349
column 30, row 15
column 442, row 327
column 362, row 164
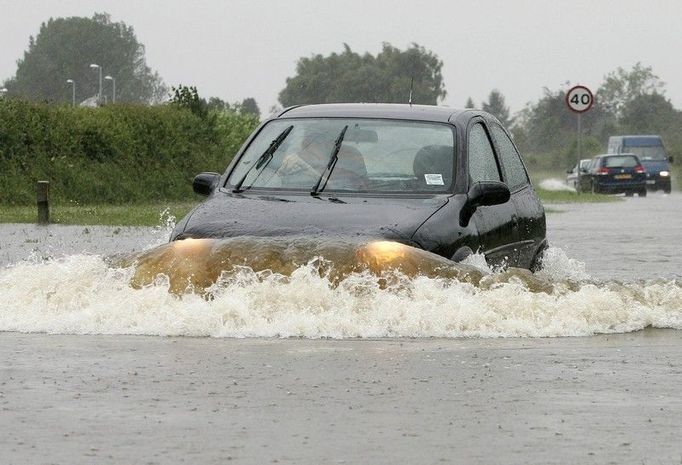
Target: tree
column 188, row 97
column 547, row 126
column 621, row 87
column 496, row 107
column 648, row 113
column 249, row 106
column 470, row 103
column 350, row 77
column 64, row 49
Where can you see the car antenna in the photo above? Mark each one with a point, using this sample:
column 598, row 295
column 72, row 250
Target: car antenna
column 411, row 84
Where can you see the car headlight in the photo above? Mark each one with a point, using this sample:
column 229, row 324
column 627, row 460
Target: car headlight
column 383, row 252
column 664, row 174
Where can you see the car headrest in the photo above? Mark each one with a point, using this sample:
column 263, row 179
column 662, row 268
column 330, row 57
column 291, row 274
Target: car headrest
column 436, row 161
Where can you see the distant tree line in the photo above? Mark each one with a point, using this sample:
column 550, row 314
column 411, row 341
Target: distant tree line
column 390, row 77
column 188, row 97
column 65, row 48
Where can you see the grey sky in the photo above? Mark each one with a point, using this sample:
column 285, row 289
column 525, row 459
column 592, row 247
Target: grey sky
column 247, row 48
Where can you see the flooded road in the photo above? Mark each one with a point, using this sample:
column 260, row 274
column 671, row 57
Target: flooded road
column 638, row 238
column 452, row 378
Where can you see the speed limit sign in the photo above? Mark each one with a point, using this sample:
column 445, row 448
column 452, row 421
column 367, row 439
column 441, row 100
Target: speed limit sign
column 579, row 99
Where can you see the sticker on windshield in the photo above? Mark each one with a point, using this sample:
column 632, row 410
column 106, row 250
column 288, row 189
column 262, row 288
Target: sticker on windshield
column 434, row 179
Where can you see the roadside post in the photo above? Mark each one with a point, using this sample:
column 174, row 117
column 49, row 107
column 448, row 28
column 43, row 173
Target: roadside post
column 579, row 99
column 43, row 191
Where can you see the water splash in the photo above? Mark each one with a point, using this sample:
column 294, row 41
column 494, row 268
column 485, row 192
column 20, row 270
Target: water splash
column 328, row 291
column 554, row 184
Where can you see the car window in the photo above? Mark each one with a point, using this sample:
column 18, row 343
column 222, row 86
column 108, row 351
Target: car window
column 621, row 162
column 375, row 155
column 648, row 153
column 511, row 160
column 482, row 163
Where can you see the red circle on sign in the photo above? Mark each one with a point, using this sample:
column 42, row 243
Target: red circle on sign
column 576, row 88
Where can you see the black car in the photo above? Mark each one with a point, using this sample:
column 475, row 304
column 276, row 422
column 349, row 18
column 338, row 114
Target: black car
column 447, row 181
column 615, row 174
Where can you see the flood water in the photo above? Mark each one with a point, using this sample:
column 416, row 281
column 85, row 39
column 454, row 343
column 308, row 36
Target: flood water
column 612, row 268
column 639, row 238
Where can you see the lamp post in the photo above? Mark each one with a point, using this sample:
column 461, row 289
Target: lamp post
column 73, row 91
column 113, row 89
column 98, row 67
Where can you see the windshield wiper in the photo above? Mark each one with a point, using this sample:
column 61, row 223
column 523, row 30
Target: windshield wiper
column 332, row 163
column 264, row 159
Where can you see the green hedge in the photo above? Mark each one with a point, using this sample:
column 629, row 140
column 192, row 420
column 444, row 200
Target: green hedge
column 114, row 154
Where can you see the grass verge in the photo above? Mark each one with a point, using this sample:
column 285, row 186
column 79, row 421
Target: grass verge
column 114, row 215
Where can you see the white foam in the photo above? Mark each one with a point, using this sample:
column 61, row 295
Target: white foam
column 557, row 266
column 554, row 184
column 83, row 295
column 477, row 260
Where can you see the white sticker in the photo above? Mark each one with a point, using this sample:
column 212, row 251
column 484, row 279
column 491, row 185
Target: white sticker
column 434, row 179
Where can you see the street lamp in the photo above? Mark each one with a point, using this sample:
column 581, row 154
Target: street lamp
column 113, row 91
column 73, row 91
column 98, row 67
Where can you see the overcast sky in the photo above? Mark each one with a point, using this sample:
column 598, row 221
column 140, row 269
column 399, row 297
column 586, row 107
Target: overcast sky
column 247, row 48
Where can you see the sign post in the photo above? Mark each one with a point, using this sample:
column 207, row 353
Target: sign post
column 579, row 99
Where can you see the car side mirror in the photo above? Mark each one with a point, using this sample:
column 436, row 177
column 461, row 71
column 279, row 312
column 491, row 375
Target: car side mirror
column 204, row 183
column 569, row 171
column 483, row 194
column 670, row 158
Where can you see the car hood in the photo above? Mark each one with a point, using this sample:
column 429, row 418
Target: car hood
column 225, row 214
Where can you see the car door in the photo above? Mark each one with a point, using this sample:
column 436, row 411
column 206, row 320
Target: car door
column 530, row 214
column 496, row 224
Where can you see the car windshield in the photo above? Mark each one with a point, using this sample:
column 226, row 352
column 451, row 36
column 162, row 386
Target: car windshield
column 391, row 156
column 654, row 152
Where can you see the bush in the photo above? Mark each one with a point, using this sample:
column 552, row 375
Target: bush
column 114, row 154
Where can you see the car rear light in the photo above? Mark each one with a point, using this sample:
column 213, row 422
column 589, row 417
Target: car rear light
column 603, row 171
column 639, row 169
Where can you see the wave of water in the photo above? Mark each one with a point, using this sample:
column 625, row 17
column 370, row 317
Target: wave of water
column 557, row 185
column 83, row 294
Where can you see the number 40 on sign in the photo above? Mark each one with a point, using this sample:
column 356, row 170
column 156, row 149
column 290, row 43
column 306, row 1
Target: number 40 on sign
column 579, row 99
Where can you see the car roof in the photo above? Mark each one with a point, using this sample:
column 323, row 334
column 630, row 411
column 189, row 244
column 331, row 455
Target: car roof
column 375, row 110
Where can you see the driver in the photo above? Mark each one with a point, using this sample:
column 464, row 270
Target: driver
column 306, row 166
column 310, row 161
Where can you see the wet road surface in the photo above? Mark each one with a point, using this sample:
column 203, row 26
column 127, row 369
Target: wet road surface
column 104, row 399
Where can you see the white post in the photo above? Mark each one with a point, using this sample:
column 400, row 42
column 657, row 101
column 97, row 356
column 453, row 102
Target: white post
column 73, row 91
column 113, row 86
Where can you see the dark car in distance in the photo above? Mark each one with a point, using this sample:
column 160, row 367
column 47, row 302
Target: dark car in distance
column 615, row 174
column 651, row 153
column 447, row 181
